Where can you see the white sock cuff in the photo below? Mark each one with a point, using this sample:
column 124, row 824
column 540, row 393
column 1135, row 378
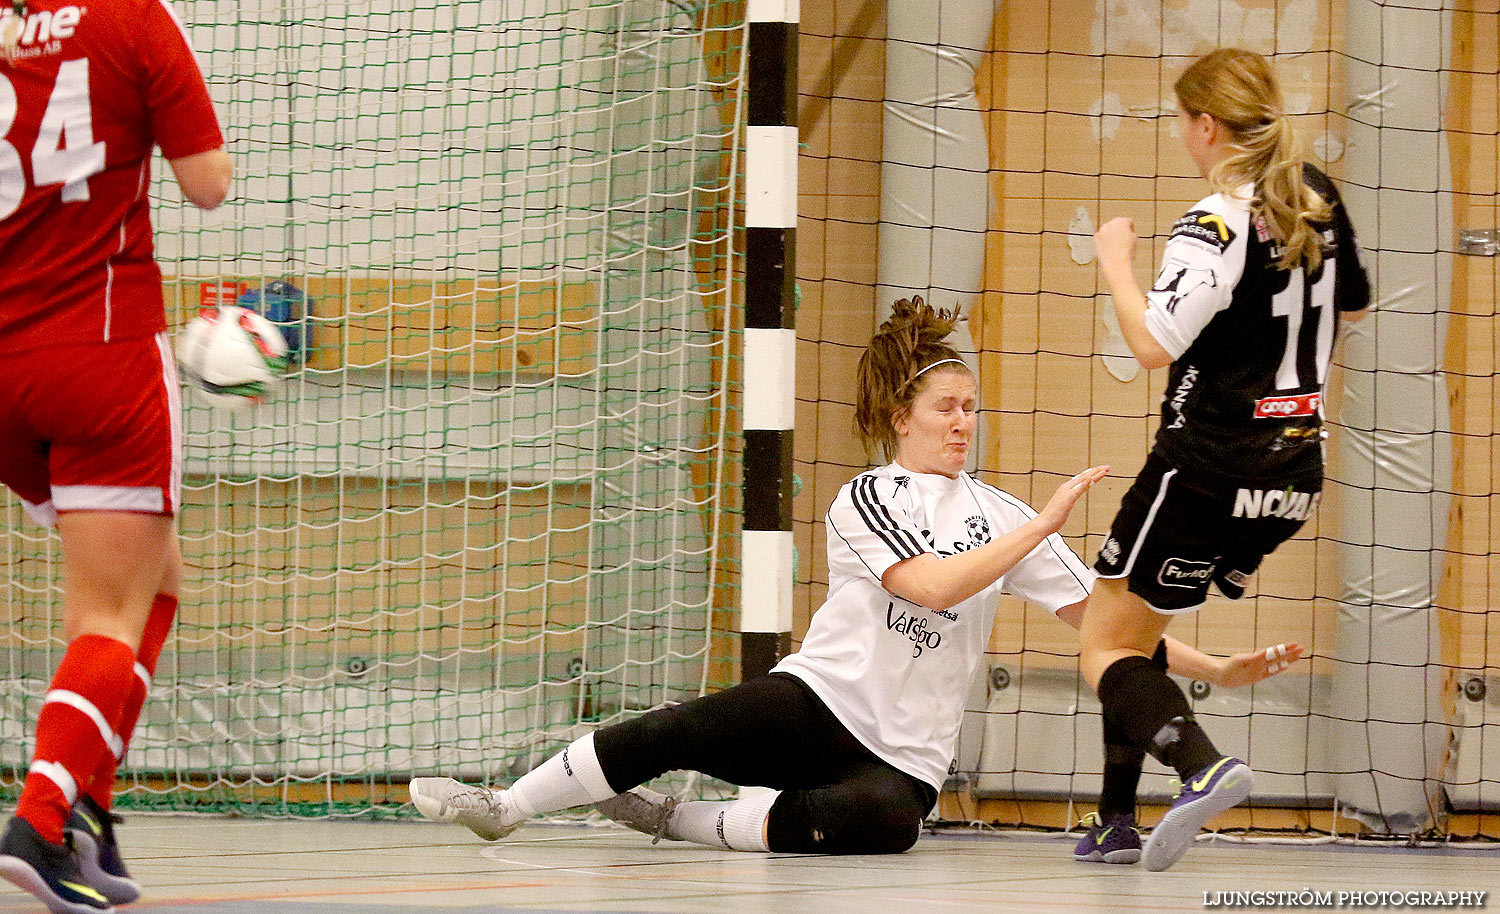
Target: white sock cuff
column 580, row 760
column 570, row 778
column 743, row 822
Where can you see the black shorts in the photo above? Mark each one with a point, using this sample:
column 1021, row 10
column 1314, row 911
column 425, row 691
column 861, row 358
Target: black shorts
column 1176, row 531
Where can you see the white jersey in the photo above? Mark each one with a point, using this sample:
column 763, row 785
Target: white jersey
column 895, row 673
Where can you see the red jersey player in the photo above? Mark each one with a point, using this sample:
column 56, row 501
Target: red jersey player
column 89, row 427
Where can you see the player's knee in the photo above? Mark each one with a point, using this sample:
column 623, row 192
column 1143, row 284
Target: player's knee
column 650, row 745
column 896, row 836
column 171, row 573
column 878, row 835
column 876, row 823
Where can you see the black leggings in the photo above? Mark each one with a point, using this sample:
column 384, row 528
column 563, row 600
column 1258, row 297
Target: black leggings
column 837, row 796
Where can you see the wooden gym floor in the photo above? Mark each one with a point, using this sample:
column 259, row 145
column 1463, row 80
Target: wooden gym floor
column 205, row 865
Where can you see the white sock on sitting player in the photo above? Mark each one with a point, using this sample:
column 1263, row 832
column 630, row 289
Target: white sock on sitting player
column 570, row 778
column 739, row 825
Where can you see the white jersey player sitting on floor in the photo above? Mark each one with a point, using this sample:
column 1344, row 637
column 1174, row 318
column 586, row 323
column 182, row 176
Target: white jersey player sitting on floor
column 855, row 731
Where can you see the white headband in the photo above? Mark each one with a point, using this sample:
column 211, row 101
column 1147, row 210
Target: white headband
column 934, row 365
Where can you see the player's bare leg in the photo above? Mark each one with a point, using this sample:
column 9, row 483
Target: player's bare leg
column 114, row 562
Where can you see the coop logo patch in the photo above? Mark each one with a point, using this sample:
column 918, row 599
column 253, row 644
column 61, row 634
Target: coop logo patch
column 1177, row 572
column 1262, row 234
column 1284, row 407
column 1208, row 228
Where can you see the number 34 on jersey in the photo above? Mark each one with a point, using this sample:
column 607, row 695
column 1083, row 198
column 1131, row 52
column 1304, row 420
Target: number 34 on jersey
column 64, row 152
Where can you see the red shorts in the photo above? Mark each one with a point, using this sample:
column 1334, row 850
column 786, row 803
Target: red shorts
column 92, row 427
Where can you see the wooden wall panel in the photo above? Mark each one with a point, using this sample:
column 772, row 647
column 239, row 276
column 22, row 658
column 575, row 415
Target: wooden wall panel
column 842, row 87
column 1078, row 136
column 1472, row 570
column 417, row 323
column 347, row 567
column 449, row 558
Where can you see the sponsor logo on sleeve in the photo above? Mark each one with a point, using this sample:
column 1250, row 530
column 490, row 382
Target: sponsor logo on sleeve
column 1183, row 283
column 1177, row 572
column 1180, row 396
column 1286, row 407
column 1205, row 227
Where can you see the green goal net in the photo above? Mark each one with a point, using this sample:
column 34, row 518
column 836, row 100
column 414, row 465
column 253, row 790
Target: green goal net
column 487, row 511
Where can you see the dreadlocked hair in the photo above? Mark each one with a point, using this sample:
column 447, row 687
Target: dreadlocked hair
column 888, row 382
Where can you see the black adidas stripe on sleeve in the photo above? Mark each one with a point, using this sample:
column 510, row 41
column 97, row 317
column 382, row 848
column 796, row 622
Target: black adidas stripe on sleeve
column 879, row 520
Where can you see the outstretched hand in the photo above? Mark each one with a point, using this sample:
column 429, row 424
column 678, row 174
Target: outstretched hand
column 1056, row 512
column 1253, row 666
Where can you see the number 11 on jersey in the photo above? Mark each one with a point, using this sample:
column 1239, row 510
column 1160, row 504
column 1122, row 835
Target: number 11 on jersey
column 1308, row 353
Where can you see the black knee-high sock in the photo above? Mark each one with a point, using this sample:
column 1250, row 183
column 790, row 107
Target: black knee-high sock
column 1151, row 712
column 1122, row 774
column 1122, row 761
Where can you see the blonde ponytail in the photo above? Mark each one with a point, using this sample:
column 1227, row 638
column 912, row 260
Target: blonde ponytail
column 1239, row 90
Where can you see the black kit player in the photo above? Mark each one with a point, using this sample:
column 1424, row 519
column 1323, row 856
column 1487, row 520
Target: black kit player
column 1254, row 282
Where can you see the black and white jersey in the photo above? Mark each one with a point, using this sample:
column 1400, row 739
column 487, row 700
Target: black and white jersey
column 895, row 673
column 1251, row 343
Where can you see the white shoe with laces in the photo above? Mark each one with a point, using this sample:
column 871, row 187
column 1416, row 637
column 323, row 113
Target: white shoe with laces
column 476, row 808
column 644, row 810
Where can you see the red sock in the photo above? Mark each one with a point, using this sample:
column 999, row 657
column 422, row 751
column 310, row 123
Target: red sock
column 158, row 627
column 75, row 729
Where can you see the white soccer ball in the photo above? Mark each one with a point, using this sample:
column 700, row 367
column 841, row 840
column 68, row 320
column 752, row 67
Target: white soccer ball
column 232, row 356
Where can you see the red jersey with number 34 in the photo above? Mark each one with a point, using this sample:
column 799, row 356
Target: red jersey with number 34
column 85, row 93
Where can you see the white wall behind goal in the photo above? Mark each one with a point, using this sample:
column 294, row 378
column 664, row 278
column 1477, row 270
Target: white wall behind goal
column 444, row 135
